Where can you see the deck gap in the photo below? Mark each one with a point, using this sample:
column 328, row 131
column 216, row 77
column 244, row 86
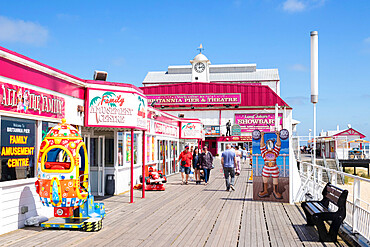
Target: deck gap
column 267, row 227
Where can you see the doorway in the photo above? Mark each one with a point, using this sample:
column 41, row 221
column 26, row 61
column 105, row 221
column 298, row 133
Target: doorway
column 95, row 148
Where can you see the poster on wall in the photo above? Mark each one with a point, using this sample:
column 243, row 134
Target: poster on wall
column 212, row 130
column 128, row 147
column 17, row 149
column 191, row 130
column 153, row 150
column 26, row 101
column 263, row 122
column 270, row 166
column 115, row 109
column 148, row 139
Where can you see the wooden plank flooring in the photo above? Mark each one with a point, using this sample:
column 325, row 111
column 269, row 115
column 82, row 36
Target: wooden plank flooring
column 186, row 215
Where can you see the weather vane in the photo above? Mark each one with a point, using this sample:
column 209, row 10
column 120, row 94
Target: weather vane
column 200, row 48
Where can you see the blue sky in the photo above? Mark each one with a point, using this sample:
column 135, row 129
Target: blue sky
column 130, row 38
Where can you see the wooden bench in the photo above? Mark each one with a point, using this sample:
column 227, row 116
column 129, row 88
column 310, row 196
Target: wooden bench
column 318, row 211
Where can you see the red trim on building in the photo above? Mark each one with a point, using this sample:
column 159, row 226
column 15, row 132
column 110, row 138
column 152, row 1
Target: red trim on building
column 117, row 84
column 350, row 132
column 251, row 95
column 39, row 63
column 19, row 72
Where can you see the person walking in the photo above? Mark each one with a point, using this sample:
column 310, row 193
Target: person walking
column 186, row 158
column 228, row 162
column 238, row 155
column 196, row 165
column 206, row 163
column 244, row 155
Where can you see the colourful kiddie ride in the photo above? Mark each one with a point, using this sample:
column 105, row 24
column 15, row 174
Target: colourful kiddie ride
column 155, row 180
column 63, row 173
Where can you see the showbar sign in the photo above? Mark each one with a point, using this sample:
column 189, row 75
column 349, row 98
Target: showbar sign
column 195, row 99
column 26, row 101
column 115, row 109
column 263, row 122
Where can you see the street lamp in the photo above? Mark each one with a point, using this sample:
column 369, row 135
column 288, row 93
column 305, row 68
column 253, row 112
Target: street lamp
column 314, row 83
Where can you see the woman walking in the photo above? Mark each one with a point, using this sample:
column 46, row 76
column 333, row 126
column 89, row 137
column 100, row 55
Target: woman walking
column 196, row 165
column 206, row 163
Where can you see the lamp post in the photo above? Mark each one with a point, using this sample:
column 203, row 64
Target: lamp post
column 314, row 83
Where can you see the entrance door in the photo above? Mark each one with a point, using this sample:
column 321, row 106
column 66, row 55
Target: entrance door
column 95, row 148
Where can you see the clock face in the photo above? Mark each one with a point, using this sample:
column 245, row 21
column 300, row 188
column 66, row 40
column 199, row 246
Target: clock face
column 199, row 67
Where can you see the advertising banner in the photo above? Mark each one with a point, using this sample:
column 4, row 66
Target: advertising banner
column 195, row 99
column 17, row 149
column 26, row 101
column 234, row 139
column 236, row 130
column 166, row 129
column 115, row 109
column 212, row 130
column 191, row 131
column 271, row 166
column 263, row 122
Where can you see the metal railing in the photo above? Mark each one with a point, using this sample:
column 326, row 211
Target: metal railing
column 339, row 167
column 358, row 214
column 326, row 166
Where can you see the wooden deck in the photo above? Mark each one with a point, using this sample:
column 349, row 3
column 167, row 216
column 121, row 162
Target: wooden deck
column 186, row 215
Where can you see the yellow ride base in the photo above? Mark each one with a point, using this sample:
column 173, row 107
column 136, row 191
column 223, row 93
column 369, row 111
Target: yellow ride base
column 84, row 224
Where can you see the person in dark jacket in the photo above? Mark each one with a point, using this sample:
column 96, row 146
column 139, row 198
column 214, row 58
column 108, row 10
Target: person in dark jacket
column 196, row 165
column 206, row 163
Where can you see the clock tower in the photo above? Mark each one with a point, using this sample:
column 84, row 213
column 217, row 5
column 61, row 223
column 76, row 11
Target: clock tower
column 200, row 67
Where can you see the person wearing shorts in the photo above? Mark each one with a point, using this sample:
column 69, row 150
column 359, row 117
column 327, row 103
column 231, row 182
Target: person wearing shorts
column 185, row 164
column 270, row 169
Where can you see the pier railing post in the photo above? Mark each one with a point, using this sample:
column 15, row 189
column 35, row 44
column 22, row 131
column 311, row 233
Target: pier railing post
column 356, row 204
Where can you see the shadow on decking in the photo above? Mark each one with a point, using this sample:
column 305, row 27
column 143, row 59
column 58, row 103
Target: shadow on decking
column 33, row 228
column 238, row 199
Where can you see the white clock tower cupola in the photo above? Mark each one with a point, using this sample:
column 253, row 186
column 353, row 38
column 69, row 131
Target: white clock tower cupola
column 200, row 67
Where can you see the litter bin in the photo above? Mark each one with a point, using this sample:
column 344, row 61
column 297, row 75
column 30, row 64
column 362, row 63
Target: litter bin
column 110, row 184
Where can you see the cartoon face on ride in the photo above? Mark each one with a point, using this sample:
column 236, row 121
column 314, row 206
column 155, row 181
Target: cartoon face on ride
column 62, row 170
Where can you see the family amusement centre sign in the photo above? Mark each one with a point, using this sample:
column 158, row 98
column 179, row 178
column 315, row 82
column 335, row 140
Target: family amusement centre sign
column 262, row 122
column 191, row 130
column 26, row 101
column 116, row 109
column 195, row 99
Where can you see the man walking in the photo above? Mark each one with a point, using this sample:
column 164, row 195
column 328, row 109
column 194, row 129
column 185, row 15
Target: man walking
column 186, row 158
column 228, row 162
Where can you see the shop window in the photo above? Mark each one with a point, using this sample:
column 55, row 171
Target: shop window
column 109, row 152
column 213, row 144
column 17, row 148
column 128, row 148
column 94, row 152
column 46, row 126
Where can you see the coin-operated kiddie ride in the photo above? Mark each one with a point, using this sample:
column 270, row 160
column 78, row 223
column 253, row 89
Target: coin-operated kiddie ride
column 155, row 180
column 62, row 183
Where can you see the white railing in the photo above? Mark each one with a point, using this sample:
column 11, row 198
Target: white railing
column 357, row 208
